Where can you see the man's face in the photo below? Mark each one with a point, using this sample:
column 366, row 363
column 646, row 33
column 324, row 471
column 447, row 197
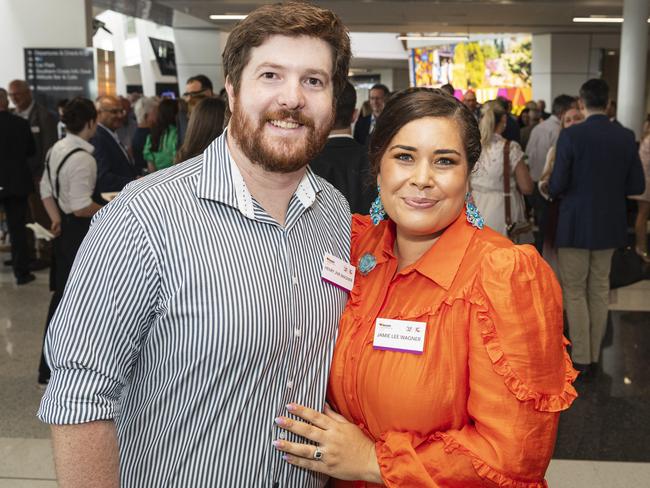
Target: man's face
column 194, row 89
column 20, row 95
column 111, row 113
column 377, row 100
column 541, row 106
column 284, row 109
column 470, row 101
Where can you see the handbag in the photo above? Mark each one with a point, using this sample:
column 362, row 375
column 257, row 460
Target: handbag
column 521, row 231
column 627, row 268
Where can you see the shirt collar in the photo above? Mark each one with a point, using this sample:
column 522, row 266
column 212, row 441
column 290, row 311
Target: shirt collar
column 220, row 180
column 74, row 140
column 441, row 262
column 25, row 113
column 340, row 136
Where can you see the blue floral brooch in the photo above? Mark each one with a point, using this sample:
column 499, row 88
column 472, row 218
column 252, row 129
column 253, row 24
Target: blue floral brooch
column 367, row 263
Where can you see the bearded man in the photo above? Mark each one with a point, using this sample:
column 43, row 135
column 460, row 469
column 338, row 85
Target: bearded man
column 196, row 310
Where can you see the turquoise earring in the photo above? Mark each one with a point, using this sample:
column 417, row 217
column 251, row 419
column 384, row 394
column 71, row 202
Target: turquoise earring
column 377, row 212
column 471, row 212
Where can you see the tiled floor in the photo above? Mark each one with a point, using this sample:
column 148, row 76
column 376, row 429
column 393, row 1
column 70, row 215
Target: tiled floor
column 603, row 440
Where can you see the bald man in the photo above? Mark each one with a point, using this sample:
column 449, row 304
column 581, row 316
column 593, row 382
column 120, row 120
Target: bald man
column 115, row 167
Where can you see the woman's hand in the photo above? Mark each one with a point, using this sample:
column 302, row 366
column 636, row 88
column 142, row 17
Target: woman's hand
column 347, row 453
column 55, row 228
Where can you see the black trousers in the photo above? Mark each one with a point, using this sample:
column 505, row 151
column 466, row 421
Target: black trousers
column 16, row 209
column 73, row 231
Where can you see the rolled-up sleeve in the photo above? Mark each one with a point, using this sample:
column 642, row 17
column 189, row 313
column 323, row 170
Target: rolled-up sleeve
column 96, row 335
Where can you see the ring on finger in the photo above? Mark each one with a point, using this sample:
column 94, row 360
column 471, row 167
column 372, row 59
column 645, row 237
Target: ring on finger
column 318, row 454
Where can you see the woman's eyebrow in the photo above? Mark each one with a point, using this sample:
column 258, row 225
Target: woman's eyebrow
column 446, row 151
column 406, row 148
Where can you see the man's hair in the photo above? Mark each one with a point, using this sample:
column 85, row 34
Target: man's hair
column 4, row 98
column 77, row 113
column 205, row 82
column 290, row 19
column 142, row 107
column 62, row 103
column 345, row 105
column 379, row 86
column 562, row 103
column 595, row 93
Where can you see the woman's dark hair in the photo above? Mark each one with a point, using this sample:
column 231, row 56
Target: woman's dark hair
column 205, row 125
column 416, row 103
column 167, row 111
column 77, row 113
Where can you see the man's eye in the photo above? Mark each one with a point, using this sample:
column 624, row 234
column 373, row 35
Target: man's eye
column 269, row 75
column 314, row 82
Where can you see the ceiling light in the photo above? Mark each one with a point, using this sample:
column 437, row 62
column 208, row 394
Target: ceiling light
column 598, row 19
column 228, row 17
column 434, row 38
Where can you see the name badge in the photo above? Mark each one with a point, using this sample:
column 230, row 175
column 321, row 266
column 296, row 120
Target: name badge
column 35, row 129
column 338, row 272
column 399, row 335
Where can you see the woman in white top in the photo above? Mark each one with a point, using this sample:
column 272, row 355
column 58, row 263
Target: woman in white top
column 643, row 201
column 67, row 188
column 487, row 179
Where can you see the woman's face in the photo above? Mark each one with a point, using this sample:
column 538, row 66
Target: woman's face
column 571, row 117
column 423, row 176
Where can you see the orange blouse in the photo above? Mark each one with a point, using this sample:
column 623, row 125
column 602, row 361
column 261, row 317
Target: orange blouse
column 480, row 406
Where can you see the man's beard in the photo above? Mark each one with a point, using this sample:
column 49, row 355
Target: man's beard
column 282, row 157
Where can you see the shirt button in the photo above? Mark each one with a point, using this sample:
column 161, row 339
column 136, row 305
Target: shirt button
column 282, row 435
column 290, row 384
column 297, row 332
column 295, row 280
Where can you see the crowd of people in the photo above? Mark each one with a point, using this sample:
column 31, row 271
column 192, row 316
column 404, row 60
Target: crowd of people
column 233, row 294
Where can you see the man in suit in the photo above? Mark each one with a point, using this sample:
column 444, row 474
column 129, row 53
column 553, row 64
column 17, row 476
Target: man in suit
column 597, row 165
column 344, row 162
column 365, row 125
column 16, row 146
column 43, row 126
column 115, row 167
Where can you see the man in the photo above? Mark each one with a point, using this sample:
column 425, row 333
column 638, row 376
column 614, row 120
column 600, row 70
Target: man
column 196, row 88
column 596, row 166
column 344, row 162
column 196, row 310
column 611, row 113
column 534, row 118
column 145, row 113
column 44, row 131
column 365, row 125
column 115, row 167
column 470, row 101
column 126, row 131
column 542, row 138
column 512, row 131
column 541, row 107
column 16, row 146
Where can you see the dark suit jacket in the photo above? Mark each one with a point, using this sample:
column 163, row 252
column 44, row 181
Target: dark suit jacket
column 344, row 163
column 43, row 127
column 597, row 165
column 114, row 170
column 362, row 130
column 16, row 145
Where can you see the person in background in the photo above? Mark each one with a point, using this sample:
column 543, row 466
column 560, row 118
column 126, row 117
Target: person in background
column 16, row 184
column 448, row 88
column 377, row 97
column 205, row 125
column 145, row 110
column 541, row 108
column 161, row 144
column 198, row 86
column 533, row 119
column 129, row 123
column 596, row 167
column 43, row 126
column 524, row 118
column 487, row 179
column 67, row 188
column 611, row 113
column 470, row 101
column 343, row 161
column 365, row 110
column 115, row 166
column 512, row 131
column 60, row 126
column 473, row 397
column 542, row 138
column 643, row 203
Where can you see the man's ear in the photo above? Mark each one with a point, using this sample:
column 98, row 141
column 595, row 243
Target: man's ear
column 230, row 90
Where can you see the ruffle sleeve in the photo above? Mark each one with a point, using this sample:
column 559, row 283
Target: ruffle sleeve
column 519, row 379
column 361, row 224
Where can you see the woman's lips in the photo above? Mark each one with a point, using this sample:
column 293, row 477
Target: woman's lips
column 419, row 203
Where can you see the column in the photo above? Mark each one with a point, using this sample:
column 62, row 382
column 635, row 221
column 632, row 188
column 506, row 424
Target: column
column 633, row 65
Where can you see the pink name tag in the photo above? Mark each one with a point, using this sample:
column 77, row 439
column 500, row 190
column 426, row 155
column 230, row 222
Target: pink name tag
column 338, row 272
column 399, row 335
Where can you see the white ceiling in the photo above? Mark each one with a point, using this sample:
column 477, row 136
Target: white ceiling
column 467, row 16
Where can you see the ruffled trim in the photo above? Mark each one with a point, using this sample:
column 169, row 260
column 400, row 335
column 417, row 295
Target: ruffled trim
column 482, row 469
column 543, row 402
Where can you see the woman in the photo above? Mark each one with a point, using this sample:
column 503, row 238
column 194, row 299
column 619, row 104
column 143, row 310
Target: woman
column 570, row 117
column 205, row 125
column 487, row 180
column 473, row 396
column 643, row 203
column 67, row 187
column 160, row 147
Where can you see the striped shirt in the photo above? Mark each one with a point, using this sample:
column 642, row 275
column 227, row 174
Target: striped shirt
column 192, row 318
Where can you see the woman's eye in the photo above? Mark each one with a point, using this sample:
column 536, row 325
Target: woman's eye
column 445, row 161
column 404, row 157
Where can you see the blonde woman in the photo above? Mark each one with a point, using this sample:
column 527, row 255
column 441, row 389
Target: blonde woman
column 487, row 180
column 643, row 202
